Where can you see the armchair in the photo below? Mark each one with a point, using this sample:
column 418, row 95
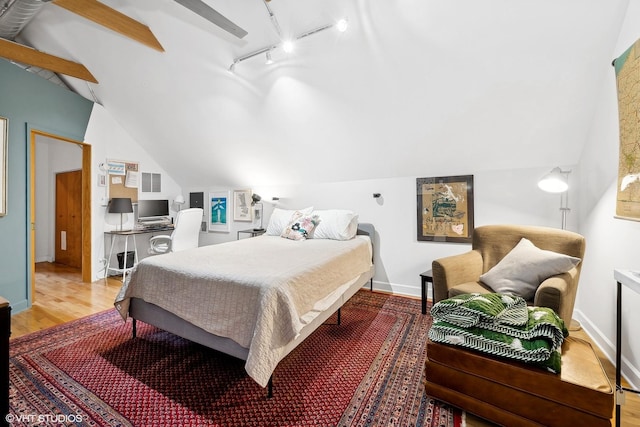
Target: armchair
column 460, row 274
column 185, row 234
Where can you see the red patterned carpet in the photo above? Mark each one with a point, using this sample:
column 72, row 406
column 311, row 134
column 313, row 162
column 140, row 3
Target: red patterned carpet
column 368, row 371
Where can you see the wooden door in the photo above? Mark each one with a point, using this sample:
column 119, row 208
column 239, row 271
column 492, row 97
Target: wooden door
column 69, row 218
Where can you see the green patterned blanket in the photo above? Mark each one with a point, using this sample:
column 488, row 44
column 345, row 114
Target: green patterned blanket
column 489, row 328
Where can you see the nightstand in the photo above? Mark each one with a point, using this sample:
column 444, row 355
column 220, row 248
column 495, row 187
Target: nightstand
column 426, row 277
column 252, row 232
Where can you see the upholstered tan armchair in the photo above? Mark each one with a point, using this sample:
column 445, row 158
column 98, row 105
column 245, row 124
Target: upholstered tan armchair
column 460, row 274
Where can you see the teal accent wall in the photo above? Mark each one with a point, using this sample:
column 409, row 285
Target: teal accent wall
column 29, row 102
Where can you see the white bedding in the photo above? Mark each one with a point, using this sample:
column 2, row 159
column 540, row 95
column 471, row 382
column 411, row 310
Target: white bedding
column 259, row 292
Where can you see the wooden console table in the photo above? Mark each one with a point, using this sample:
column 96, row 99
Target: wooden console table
column 630, row 279
column 5, row 332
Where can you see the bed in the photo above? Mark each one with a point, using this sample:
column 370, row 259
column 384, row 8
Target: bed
column 255, row 299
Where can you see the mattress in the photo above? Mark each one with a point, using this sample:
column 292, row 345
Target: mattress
column 258, row 292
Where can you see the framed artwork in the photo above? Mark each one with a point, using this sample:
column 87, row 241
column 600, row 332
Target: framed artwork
column 242, row 205
column 4, row 132
column 219, row 209
column 445, row 208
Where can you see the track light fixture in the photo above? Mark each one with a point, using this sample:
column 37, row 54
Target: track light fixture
column 269, row 60
column 288, row 45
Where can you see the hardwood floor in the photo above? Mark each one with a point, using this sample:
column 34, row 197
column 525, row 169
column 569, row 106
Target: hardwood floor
column 61, row 296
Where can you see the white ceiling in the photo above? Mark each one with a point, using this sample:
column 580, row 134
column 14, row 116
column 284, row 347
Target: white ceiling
column 413, row 88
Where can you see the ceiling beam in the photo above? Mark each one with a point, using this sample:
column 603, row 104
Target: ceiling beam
column 26, row 55
column 112, row 19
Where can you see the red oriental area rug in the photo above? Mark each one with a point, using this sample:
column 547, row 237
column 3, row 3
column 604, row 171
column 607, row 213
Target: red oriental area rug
column 367, row 371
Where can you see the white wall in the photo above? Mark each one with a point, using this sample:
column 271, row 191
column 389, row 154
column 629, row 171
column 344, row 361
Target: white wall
column 52, row 156
column 110, row 141
column 611, row 242
column 505, row 196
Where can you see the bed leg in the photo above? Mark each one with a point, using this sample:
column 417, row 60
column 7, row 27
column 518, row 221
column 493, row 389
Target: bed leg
column 270, row 387
column 339, row 316
column 371, row 284
column 133, row 329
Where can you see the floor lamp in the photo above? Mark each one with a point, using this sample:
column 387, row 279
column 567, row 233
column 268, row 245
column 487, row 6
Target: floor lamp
column 557, row 181
column 120, row 205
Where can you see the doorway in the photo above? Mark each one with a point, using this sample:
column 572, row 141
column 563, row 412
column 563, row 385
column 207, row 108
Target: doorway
column 83, row 245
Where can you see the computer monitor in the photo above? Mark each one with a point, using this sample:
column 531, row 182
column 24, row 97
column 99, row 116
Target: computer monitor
column 149, row 210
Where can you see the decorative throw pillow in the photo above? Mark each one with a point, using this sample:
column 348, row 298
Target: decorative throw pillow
column 522, row 270
column 280, row 219
column 336, row 224
column 300, row 226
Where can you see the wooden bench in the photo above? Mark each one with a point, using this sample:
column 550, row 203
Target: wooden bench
column 517, row 394
column 5, row 331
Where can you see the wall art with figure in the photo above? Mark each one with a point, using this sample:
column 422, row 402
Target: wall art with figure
column 445, row 208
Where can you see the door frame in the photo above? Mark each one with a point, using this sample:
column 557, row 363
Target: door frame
column 86, row 204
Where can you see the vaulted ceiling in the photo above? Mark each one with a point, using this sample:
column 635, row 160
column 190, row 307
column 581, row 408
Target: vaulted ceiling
column 413, row 88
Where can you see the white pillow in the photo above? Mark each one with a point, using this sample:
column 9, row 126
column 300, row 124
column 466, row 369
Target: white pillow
column 522, row 270
column 336, row 224
column 280, row 219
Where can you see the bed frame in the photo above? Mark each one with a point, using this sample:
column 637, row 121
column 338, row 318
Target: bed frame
column 167, row 321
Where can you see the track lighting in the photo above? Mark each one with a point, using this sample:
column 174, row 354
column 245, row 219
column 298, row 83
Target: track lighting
column 288, row 45
column 342, row 25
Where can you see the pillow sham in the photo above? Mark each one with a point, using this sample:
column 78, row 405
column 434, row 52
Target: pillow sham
column 522, row 270
column 300, row 226
column 336, row 224
column 280, row 219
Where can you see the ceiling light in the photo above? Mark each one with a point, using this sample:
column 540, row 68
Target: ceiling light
column 287, row 46
column 269, row 59
column 342, row 25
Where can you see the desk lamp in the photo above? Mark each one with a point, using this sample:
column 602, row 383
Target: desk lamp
column 120, row 205
column 179, row 201
column 255, row 201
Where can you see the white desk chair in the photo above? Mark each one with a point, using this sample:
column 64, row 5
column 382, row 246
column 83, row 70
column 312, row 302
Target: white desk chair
column 185, row 234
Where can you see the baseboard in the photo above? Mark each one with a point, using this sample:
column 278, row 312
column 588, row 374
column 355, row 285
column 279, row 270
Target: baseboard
column 629, row 372
column 398, row 289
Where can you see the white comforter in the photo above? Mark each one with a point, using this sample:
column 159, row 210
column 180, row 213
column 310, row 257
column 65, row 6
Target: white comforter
column 258, row 292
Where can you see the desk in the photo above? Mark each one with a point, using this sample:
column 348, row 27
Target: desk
column 630, row 279
column 126, row 234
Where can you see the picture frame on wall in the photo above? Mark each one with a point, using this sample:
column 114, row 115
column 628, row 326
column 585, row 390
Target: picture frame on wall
column 445, row 209
column 242, row 205
column 219, row 211
column 4, row 135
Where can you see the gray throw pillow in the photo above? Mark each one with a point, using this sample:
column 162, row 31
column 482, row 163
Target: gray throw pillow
column 522, row 270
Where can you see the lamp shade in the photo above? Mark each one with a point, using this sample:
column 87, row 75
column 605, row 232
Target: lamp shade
column 554, row 182
column 179, row 199
column 255, row 198
column 120, row 205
